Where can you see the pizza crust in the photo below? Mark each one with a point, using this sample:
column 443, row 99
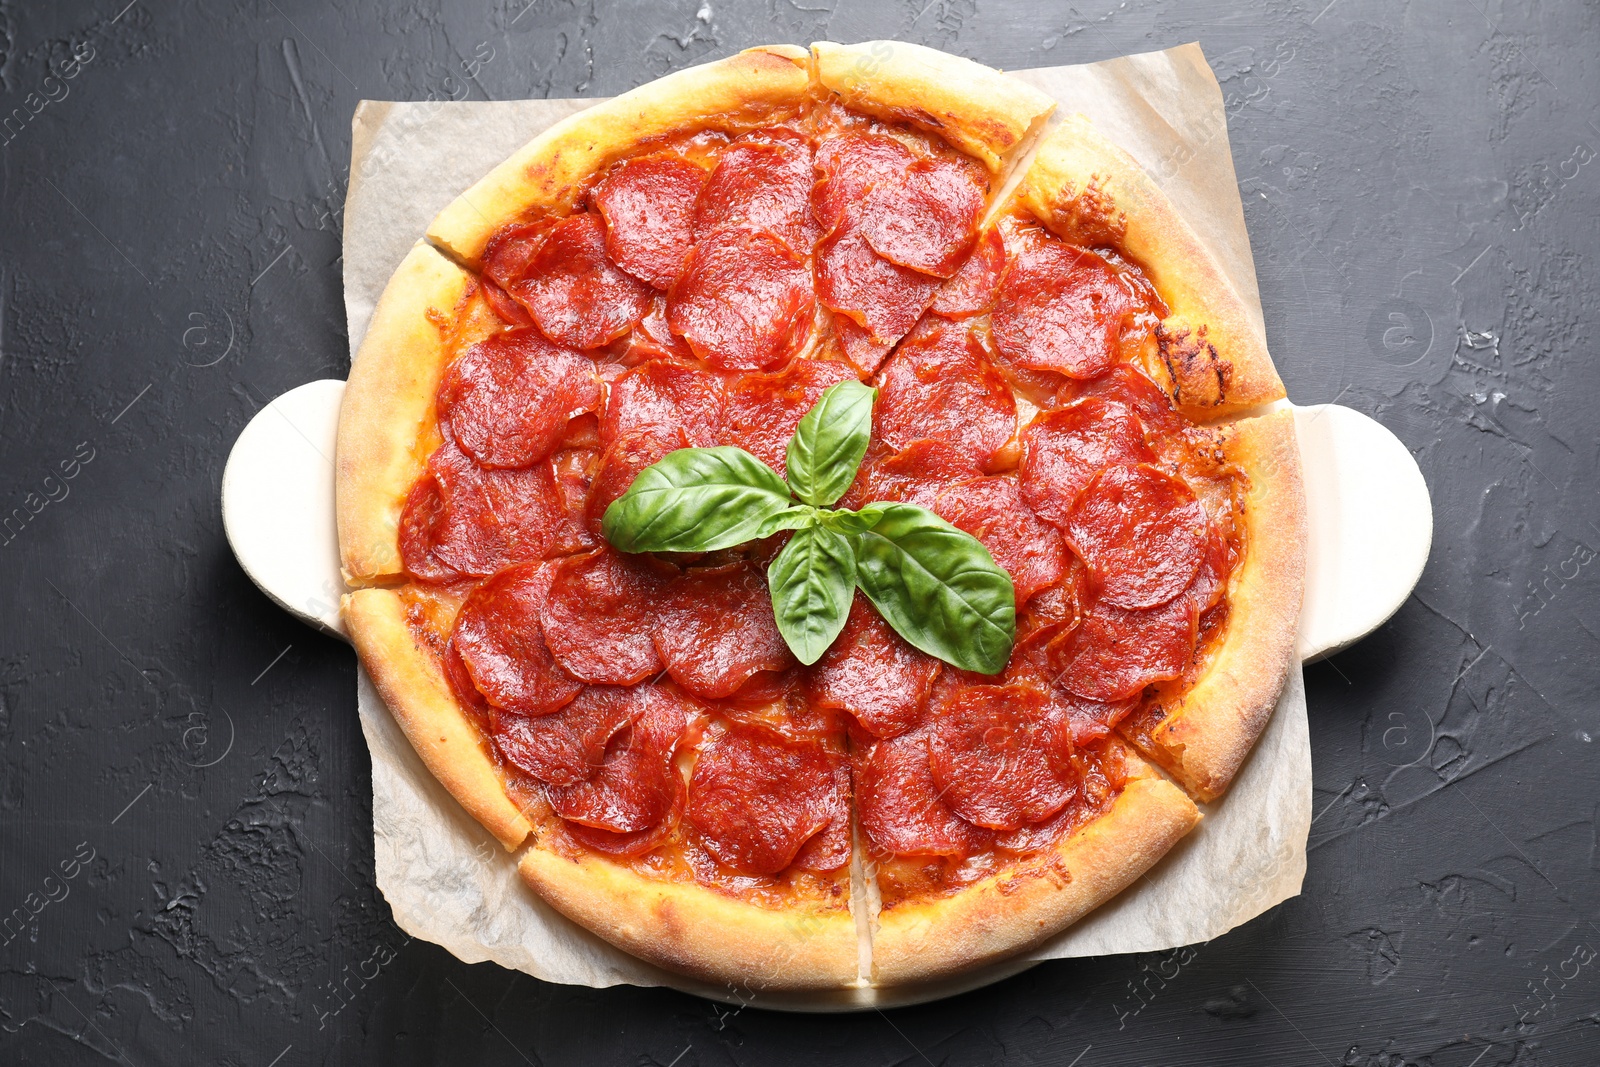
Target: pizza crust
column 1212, row 347
column 973, row 107
column 1207, row 732
column 386, row 421
column 547, row 174
column 696, row 930
column 408, row 678
column 1021, row 907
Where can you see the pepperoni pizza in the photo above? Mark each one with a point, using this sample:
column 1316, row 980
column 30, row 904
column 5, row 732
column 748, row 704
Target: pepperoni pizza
column 1062, row 371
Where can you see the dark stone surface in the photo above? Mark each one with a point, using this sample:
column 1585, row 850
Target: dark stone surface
column 1421, row 191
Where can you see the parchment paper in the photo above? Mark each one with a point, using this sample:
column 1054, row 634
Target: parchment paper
column 449, row 882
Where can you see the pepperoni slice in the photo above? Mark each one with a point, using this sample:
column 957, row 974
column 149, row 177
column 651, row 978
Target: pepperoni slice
column 993, row 511
column 1211, row 580
column 830, row 848
column 648, row 204
column 1115, row 652
column 939, row 384
column 717, row 630
column 665, row 400
column 865, row 354
column 871, row 672
column 764, row 409
column 575, row 294
column 598, row 616
column 509, row 397
column 1142, row 534
column 1127, row 385
column 484, row 519
column 574, row 470
column 462, row 687
column 760, row 186
column 620, row 465
column 744, row 300
column 756, row 797
column 1062, row 450
column 1000, row 759
column 653, row 338
column 883, row 297
column 901, row 807
column 915, row 475
column 925, row 218
column 569, row 745
column 848, row 166
column 502, row 644
column 1061, row 309
column 419, row 521
column 636, row 788
column 507, row 309
column 509, row 257
column 973, row 288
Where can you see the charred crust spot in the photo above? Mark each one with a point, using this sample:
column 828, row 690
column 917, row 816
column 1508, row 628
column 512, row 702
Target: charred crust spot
column 1089, row 216
column 1200, row 376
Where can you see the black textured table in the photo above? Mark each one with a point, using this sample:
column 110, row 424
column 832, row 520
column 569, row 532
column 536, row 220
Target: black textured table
column 185, row 826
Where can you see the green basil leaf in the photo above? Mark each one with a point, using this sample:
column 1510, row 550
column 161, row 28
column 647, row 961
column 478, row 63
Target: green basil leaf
column 696, row 500
column 849, row 523
column 828, row 444
column 813, row 581
column 789, row 519
column 938, row 587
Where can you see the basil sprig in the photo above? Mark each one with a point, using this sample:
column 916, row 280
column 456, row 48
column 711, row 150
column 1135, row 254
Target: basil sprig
column 937, row 586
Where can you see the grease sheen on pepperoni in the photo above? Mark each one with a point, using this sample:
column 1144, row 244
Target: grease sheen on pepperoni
column 577, row 296
column 648, row 205
column 502, row 643
column 1127, row 385
column 744, row 301
column 993, row 511
column 883, row 297
column 764, row 409
column 636, row 788
column 1142, row 534
column 509, row 397
column 569, row 745
column 917, row 474
column 717, row 630
column 999, row 757
column 848, row 166
column 973, row 288
column 926, row 217
column 1115, row 652
column 475, row 521
column 901, row 807
column 1063, row 449
column 1061, row 309
column 760, row 185
column 668, row 400
column 872, row 673
column 829, row 848
column 598, row 616
column 756, row 797
column 939, row 384
column 864, row 354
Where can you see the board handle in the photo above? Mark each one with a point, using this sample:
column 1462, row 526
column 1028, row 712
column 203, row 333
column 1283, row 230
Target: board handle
column 1370, row 516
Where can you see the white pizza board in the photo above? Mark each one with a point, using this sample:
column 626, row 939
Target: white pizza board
column 1371, row 519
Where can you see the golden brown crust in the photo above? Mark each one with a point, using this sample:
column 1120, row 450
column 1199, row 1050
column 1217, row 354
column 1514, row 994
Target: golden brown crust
column 734, row 94
column 695, row 930
column 973, row 107
column 1021, row 907
column 1213, row 351
column 1205, row 735
column 409, row 680
column 429, row 306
